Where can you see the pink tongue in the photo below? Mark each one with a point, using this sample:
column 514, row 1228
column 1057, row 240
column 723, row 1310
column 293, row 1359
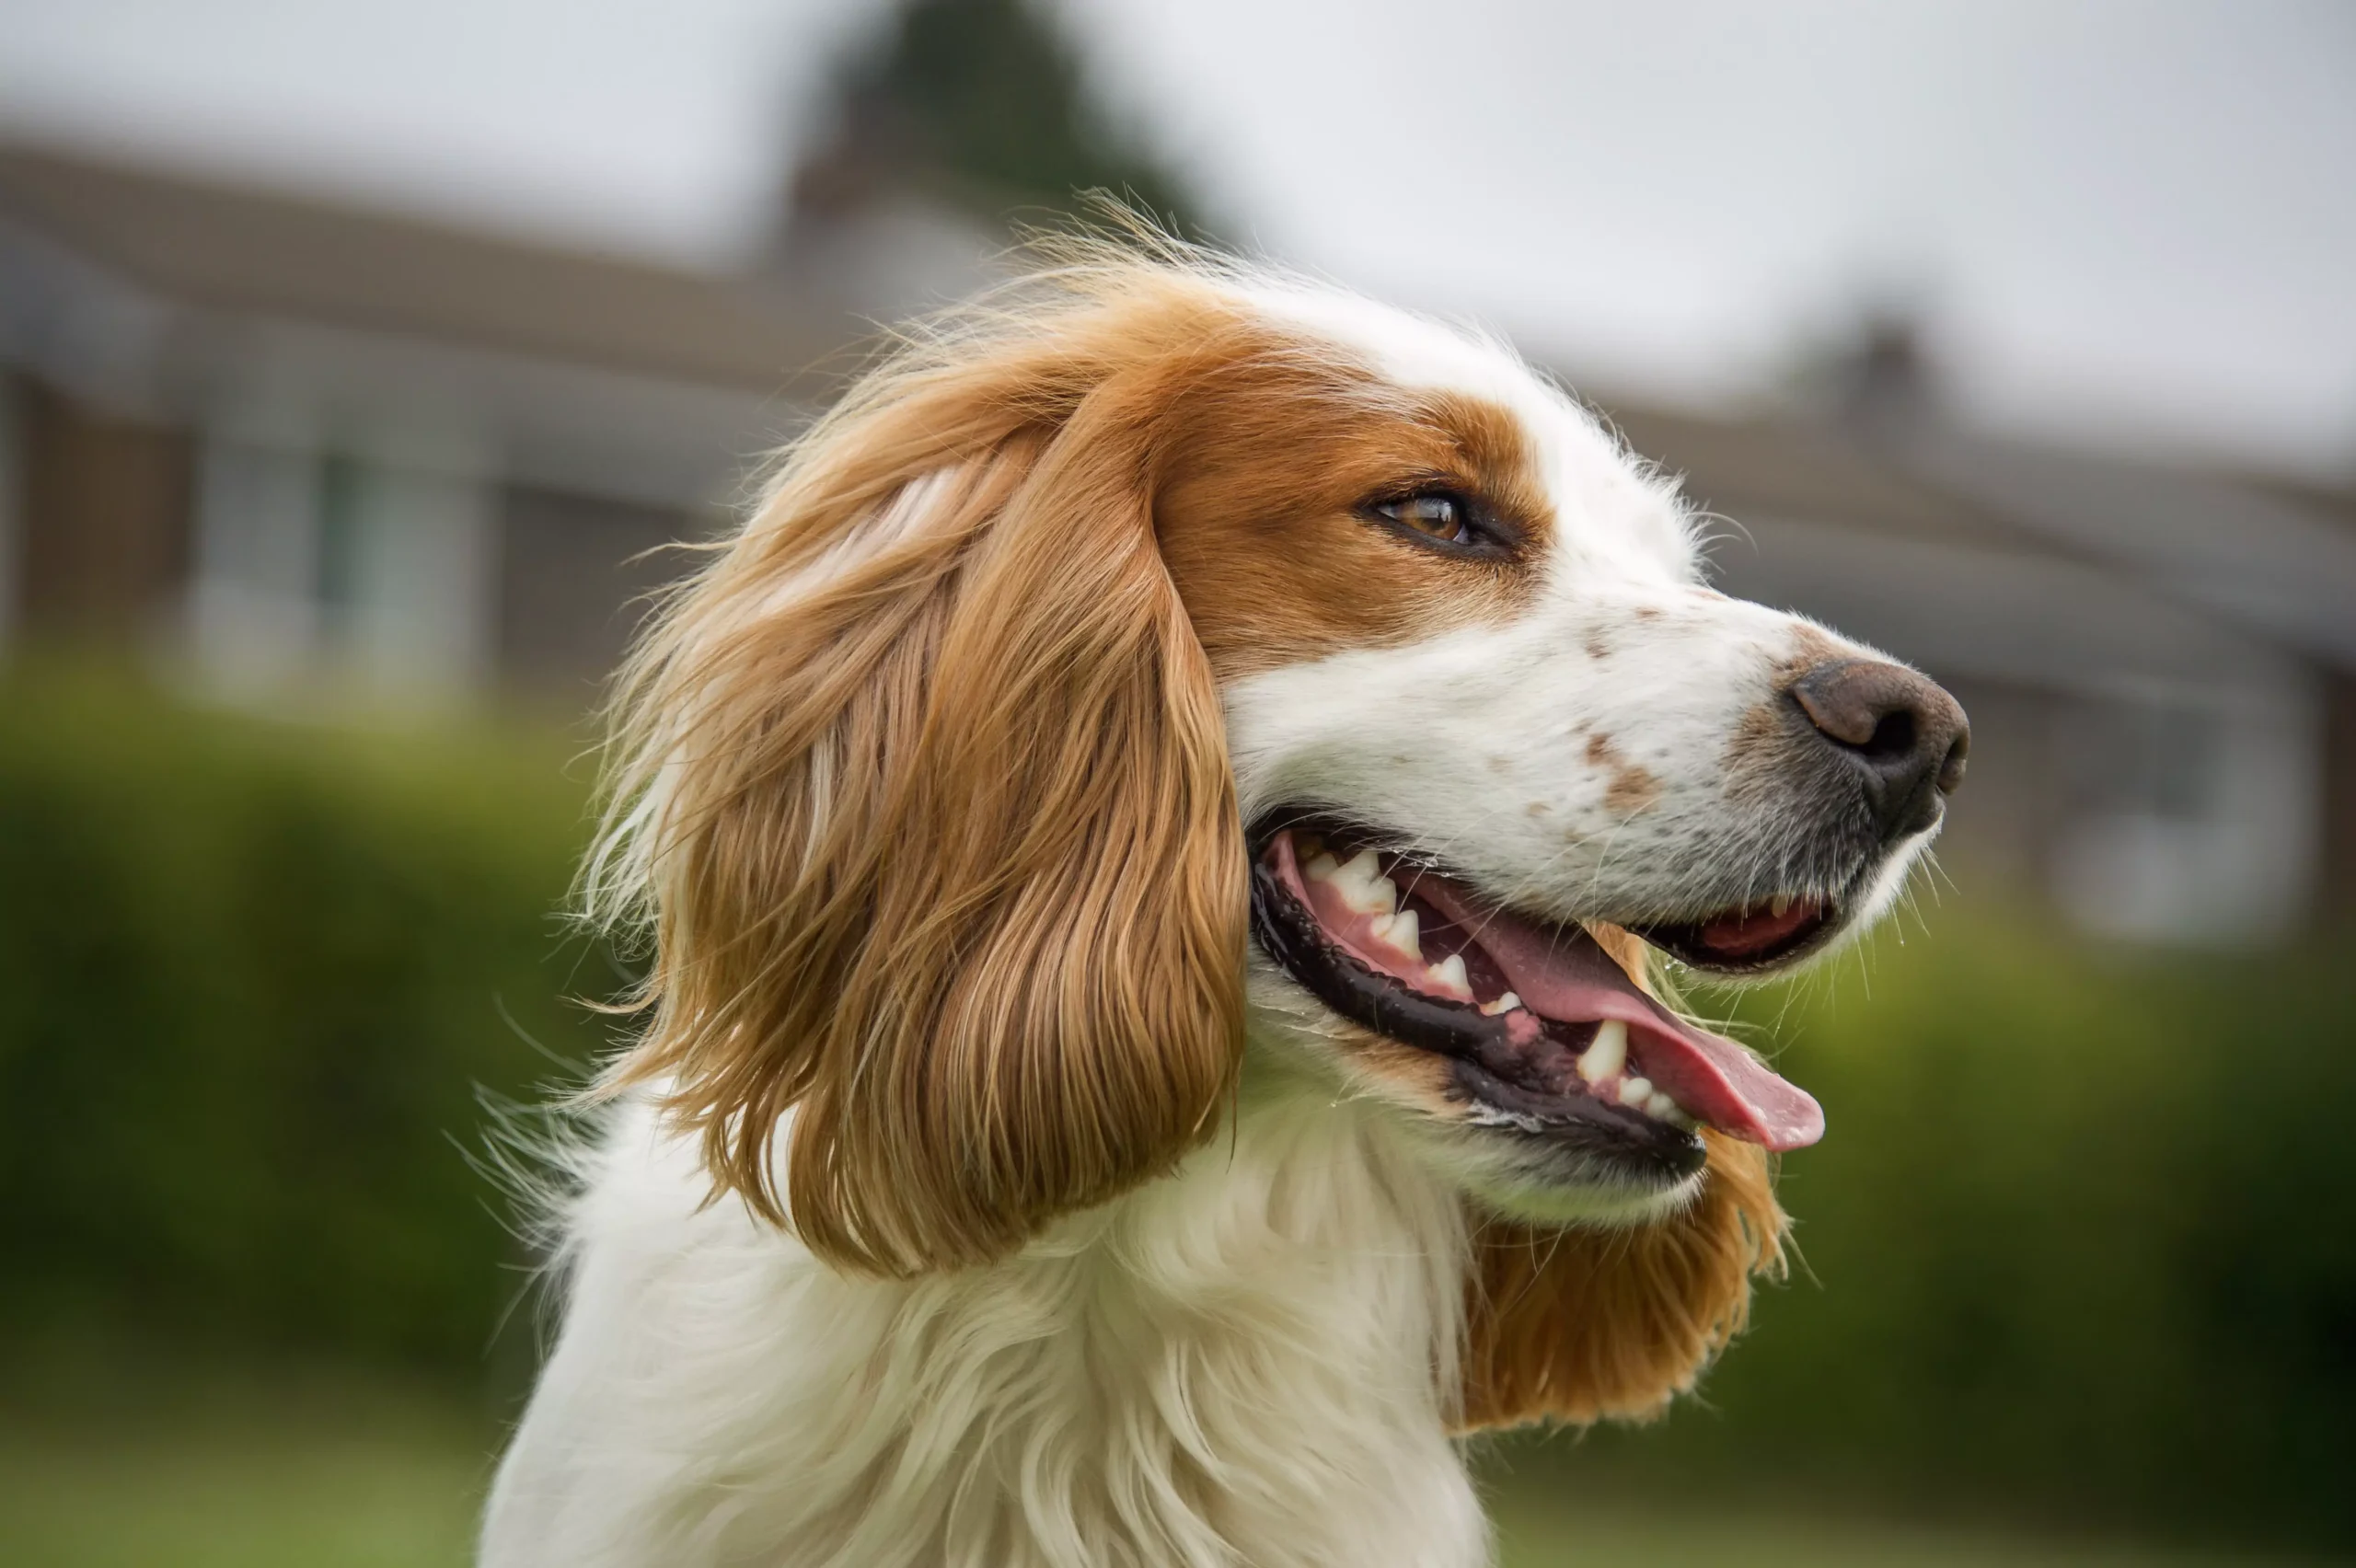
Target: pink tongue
column 1573, row 981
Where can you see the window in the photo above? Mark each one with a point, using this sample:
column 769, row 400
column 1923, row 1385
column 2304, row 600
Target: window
column 339, row 564
column 2188, row 817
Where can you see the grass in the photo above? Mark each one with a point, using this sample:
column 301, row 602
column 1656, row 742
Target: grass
column 365, row 1481
column 1540, row 1532
column 368, row 1478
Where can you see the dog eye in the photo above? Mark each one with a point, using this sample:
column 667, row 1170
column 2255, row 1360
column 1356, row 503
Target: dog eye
column 1437, row 516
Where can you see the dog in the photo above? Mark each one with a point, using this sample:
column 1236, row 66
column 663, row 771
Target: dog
column 1152, row 844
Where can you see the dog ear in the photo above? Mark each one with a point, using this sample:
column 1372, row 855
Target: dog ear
column 931, row 812
column 1577, row 1325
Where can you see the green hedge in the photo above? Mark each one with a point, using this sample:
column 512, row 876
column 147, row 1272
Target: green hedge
column 2083, row 1235
column 2081, row 1238
column 251, row 977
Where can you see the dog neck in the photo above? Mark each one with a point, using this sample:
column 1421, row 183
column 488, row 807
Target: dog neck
column 1247, row 1361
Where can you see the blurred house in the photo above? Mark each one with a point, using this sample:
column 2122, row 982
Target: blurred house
column 2160, row 664
column 295, row 450
column 281, row 439
column 293, row 444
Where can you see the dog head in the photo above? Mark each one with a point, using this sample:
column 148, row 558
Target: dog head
column 1183, row 657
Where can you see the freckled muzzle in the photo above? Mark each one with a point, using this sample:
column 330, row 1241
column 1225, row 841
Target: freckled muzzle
column 1843, row 769
column 1545, row 1034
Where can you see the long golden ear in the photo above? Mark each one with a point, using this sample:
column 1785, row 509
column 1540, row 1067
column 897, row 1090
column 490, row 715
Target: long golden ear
column 932, row 815
column 1577, row 1325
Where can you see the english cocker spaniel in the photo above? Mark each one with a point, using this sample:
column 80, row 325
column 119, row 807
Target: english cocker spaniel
column 1151, row 840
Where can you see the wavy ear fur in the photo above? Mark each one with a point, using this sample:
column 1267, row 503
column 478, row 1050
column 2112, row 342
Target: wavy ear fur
column 1578, row 1325
column 924, row 794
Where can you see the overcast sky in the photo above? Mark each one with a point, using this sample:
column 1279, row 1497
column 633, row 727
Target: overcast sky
column 2130, row 222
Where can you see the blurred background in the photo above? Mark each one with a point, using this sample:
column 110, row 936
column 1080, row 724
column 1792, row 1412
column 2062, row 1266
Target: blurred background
column 354, row 356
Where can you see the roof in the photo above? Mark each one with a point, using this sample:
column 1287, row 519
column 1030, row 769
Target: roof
column 1796, row 469
column 210, row 244
column 2274, row 562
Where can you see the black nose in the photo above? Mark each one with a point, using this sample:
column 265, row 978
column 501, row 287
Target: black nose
column 1903, row 734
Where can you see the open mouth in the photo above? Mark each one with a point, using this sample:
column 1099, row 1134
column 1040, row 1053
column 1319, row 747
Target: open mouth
column 1544, row 1030
column 1757, row 936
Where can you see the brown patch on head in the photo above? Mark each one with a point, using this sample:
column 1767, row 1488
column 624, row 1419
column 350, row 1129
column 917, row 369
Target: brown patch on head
column 1265, row 474
column 1646, row 611
column 1578, row 1325
column 1631, row 788
column 1597, row 648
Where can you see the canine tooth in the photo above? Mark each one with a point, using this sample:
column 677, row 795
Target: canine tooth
column 1504, row 1004
column 1402, row 931
column 1320, row 868
column 1635, row 1090
column 1448, row 975
column 1607, row 1055
column 1780, row 905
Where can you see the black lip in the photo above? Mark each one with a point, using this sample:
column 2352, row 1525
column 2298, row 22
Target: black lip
column 1486, row 1067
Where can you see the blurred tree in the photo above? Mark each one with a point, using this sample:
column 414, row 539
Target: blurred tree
column 982, row 103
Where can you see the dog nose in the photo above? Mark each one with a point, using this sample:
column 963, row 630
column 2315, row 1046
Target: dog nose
column 1901, row 731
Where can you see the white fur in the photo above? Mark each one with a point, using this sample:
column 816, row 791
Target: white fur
column 1251, row 1361
column 1240, row 1365
column 1477, row 744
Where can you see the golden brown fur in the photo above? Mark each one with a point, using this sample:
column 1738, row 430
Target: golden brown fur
column 1581, row 1324
column 948, row 856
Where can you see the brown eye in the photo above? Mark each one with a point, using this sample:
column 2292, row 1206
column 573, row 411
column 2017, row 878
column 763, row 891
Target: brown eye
column 1438, row 515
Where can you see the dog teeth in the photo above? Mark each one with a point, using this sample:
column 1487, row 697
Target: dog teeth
column 1780, row 905
column 1402, row 931
column 1448, row 976
column 1607, row 1055
column 1364, row 889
